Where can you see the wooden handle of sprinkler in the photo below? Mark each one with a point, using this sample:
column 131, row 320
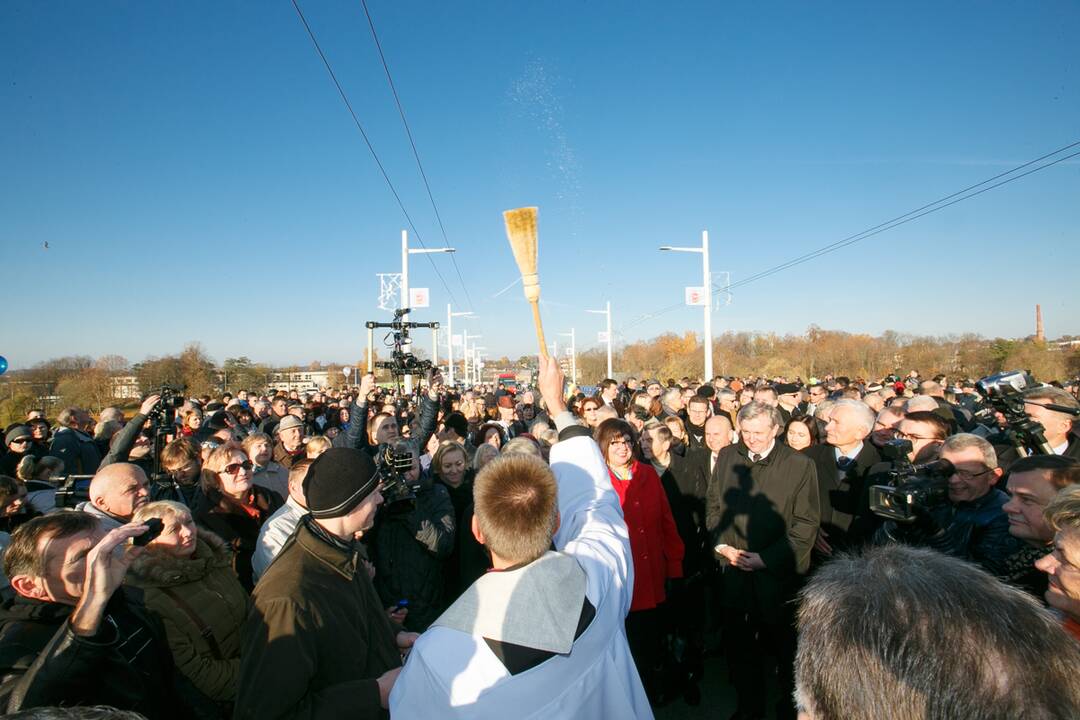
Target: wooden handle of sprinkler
column 539, row 327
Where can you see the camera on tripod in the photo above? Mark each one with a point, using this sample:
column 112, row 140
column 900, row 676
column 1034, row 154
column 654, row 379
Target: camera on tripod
column 1005, row 392
column 402, row 363
column 911, row 490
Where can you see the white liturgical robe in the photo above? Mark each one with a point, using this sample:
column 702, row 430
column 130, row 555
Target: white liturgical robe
column 452, row 673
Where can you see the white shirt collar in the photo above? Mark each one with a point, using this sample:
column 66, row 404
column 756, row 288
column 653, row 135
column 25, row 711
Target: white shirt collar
column 851, row 455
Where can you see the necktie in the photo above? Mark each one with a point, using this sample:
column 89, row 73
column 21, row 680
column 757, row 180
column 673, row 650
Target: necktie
column 844, row 463
column 754, row 457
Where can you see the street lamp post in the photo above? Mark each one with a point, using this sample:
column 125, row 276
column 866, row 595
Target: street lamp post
column 704, row 250
column 465, row 337
column 450, row 340
column 573, row 354
column 477, row 356
column 406, row 251
column 606, row 311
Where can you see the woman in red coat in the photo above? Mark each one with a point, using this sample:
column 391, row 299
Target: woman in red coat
column 654, row 544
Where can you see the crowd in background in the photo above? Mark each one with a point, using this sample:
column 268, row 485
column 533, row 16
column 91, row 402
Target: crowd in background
column 735, row 492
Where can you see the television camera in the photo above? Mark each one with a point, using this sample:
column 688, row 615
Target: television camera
column 912, row 491
column 1005, row 393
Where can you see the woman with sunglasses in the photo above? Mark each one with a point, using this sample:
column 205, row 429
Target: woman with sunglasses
column 233, row 507
column 654, row 543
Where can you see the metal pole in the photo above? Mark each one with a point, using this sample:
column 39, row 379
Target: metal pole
column 370, row 350
column 708, row 306
column 405, row 297
column 450, row 345
column 435, row 348
column 609, row 373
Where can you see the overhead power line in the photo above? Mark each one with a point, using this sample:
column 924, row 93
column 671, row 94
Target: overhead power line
column 933, row 207
column 412, row 144
column 370, row 147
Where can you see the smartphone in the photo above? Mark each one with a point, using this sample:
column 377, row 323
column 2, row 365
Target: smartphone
column 155, row 526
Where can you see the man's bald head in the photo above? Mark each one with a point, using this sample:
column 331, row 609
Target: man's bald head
column 119, row 489
column 718, row 432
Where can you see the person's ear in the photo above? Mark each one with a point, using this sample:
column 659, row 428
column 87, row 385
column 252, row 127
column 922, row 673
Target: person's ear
column 475, row 527
column 30, row 587
column 99, row 503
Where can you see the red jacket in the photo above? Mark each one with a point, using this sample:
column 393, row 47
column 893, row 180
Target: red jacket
column 654, row 541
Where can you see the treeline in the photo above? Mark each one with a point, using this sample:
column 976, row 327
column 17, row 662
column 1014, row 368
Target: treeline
column 87, row 382
column 819, row 351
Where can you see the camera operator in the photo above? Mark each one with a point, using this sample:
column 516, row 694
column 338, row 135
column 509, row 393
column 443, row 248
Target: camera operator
column 68, row 637
column 412, row 540
column 1057, row 426
column 124, row 441
column 972, row 524
column 182, row 465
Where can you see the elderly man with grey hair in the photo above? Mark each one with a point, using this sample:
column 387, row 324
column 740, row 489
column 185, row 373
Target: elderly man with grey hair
column 843, row 465
column 762, row 512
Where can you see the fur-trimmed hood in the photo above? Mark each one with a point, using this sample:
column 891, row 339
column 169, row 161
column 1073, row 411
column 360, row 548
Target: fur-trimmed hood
column 158, row 569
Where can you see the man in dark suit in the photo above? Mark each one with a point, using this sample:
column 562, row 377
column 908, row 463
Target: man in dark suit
column 843, row 465
column 762, row 513
column 697, row 412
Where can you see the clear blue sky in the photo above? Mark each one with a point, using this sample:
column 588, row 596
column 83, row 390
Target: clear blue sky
column 197, row 177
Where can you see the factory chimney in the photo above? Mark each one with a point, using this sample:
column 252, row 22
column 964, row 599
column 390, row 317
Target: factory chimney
column 1040, row 336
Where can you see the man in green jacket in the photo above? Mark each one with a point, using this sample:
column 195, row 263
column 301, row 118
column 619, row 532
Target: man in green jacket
column 318, row 643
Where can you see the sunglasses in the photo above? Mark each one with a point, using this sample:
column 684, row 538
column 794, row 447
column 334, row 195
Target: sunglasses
column 234, row 468
column 21, row 441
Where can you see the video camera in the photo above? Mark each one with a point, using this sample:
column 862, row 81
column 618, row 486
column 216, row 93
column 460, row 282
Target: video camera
column 1005, row 393
column 402, row 363
column 71, row 490
column 394, row 461
column 912, row 490
column 164, row 413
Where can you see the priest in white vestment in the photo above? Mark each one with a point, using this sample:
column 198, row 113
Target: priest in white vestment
column 542, row 634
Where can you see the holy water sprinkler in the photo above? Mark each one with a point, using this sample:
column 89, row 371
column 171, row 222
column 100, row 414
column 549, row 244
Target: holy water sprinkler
column 521, row 231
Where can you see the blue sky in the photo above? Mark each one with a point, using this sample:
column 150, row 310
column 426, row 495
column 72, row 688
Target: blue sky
column 197, row 177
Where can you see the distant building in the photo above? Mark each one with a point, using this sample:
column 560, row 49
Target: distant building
column 125, row 387
column 299, row 380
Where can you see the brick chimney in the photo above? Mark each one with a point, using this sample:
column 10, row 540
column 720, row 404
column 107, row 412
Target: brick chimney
column 1040, row 336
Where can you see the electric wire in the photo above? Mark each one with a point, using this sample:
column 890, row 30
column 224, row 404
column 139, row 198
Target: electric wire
column 415, row 152
column 370, row 147
column 929, row 208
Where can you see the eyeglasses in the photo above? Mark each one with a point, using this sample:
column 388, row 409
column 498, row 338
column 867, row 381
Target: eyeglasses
column 901, row 435
column 965, row 475
column 234, row 468
column 21, row 441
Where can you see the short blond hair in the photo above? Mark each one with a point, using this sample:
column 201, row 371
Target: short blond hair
column 316, row 446
column 516, row 504
column 1063, row 512
column 161, row 509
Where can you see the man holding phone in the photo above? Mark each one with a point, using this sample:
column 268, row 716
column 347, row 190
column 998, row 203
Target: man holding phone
column 64, row 636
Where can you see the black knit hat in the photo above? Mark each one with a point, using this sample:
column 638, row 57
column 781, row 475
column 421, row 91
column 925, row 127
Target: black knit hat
column 338, row 481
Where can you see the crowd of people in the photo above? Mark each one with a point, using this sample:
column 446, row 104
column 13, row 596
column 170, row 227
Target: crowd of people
column 358, row 551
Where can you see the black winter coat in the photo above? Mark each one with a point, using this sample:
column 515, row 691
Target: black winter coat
column 411, row 546
column 43, row 663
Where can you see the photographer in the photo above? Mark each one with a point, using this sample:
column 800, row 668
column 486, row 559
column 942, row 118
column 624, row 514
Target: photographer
column 182, row 465
column 411, row 542
column 68, row 637
column 972, row 524
column 125, row 439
